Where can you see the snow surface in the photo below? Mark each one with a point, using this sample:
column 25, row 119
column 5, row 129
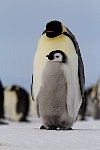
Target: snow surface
column 28, row 136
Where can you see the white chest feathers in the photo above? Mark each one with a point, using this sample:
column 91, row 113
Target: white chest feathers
column 45, row 46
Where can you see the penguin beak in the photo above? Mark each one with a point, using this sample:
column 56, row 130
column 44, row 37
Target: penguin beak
column 49, row 31
column 47, row 55
column 50, row 34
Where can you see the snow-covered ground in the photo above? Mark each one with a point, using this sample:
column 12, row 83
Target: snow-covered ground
column 28, row 136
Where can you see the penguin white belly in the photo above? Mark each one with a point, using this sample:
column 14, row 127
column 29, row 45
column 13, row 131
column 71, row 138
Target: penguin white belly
column 10, row 104
column 45, row 46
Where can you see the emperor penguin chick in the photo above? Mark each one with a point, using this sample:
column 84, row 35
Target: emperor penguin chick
column 56, row 90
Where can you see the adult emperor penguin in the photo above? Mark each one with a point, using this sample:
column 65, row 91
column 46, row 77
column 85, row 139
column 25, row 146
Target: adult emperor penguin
column 16, row 103
column 58, row 37
column 2, row 118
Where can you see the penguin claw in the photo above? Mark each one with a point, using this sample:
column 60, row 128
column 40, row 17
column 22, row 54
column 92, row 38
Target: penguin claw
column 24, row 120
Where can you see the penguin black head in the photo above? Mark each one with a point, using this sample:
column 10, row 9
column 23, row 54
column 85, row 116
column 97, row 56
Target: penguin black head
column 57, row 55
column 53, row 29
column 14, row 88
column 56, row 28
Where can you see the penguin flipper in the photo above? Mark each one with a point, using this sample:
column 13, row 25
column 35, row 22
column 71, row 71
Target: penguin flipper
column 32, row 89
column 81, row 76
column 80, row 64
column 37, row 107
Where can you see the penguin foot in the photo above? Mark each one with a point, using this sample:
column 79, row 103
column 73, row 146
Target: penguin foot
column 69, row 129
column 3, row 123
column 52, row 127
column 43, row 127
column 49, row 127
column 24, row 120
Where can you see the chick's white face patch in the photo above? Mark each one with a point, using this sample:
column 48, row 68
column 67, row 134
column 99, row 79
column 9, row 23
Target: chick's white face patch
column 58, row 57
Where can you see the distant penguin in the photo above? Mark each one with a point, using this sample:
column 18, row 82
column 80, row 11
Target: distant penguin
column 91, row 106
column 58, row 37
column 2, row 104
column 16, row 103
column 93, row 100
column 83, row 108
column 1, row 100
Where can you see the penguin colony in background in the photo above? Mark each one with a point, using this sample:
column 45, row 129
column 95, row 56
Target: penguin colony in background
column 19, row 101
column 58, row 79
column 14, row 104
column 1, row 104
column 91, row 106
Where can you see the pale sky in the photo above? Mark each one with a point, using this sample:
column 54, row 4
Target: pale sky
column 22, row 23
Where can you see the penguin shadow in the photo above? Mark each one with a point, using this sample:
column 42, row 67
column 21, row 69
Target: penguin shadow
column 9, row 121
column 89, row 129
column 42, row 127
column 51, row 128
column 3, row 123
